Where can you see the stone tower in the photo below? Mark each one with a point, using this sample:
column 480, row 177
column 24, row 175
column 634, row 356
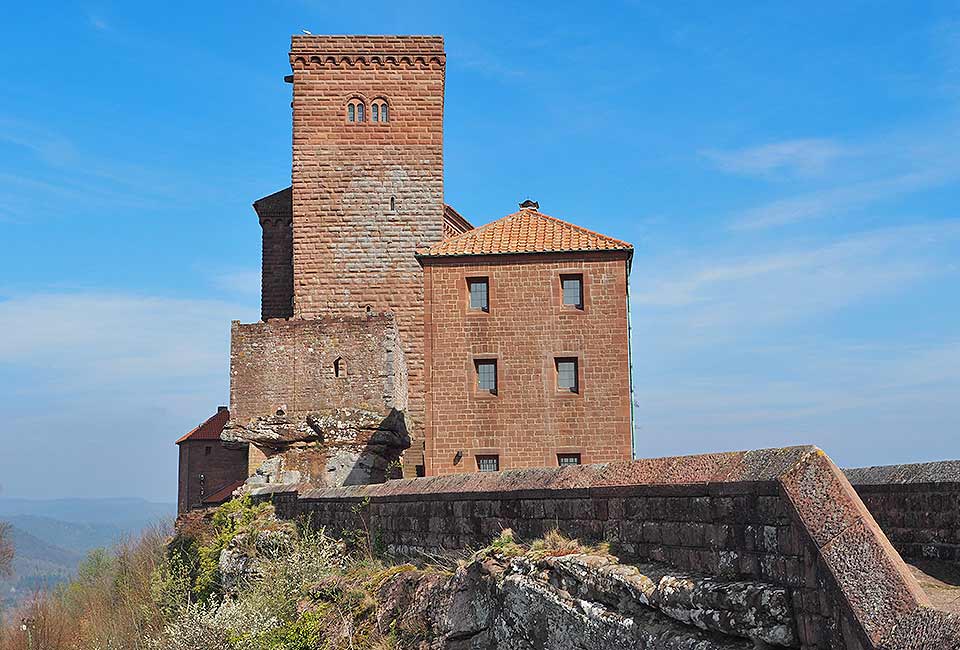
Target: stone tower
column 367, row 181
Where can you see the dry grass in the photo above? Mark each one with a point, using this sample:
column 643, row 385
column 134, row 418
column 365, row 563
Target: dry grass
column 553, row 544
column 556, row 544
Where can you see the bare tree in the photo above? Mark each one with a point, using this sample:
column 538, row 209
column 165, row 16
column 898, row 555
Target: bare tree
column 6, row 550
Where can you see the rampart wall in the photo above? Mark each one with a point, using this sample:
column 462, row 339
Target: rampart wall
column 786, row 517
column 917, row 506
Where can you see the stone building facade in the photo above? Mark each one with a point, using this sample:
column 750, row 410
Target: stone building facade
column 368, row 340
column 210, row 470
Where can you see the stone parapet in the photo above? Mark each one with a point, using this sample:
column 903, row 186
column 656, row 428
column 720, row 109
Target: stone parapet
column 785, row 517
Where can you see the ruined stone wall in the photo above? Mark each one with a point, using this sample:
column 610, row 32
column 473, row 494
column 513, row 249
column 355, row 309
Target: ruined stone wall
column 292, row 366
column 917, row 506
column 321, row 401
column 527, row 327
column 784, row 517
column 367, row 194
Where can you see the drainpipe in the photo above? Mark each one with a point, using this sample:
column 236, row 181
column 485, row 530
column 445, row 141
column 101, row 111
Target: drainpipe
column 633, row 401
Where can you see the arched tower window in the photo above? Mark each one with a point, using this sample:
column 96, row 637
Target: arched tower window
column 355, row 110
column 379, row 111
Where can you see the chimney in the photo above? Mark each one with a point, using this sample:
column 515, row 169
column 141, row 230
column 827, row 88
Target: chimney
column 529, row 205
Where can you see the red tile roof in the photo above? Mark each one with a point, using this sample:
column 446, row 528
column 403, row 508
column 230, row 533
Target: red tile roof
column 526, row 231
column 209, row 430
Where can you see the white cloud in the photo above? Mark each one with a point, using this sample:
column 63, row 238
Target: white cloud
column 842, row 199
column 111, row 337
column 244, row 281
column 783, row 346
column 717, row 296
column 804, row 157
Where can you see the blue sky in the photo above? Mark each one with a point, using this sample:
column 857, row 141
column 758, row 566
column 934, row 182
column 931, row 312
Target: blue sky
column 789, row 174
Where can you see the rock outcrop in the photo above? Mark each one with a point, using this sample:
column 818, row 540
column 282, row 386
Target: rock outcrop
column 585, row 602
column 347, row 446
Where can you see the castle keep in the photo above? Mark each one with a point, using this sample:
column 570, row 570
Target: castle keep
column 396, row 339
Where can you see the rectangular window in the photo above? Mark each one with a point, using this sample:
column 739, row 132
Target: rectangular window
column 487, row 375
column 567, row 460
column 207, row 451
column 568, row 375
column 479, row 293
column 572, row 290
column 488, row 463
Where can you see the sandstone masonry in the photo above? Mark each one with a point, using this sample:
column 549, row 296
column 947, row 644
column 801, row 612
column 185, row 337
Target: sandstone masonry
column 372, row 357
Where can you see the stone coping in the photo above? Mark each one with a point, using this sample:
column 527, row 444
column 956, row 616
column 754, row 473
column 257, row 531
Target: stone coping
column 884, row 600
column 709, row 469
column 946, row 471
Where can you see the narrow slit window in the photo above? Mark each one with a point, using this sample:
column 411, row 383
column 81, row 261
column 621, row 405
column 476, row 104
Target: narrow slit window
column 375, row 112
column 393, row 204
column 568, row 460
column 337, row 367
column 359, row 112
column 487, row 375
column 383, row 113
column 488, row 463
column 479, row 293
column 567, row 375
column 351, row 113
column 572, row 290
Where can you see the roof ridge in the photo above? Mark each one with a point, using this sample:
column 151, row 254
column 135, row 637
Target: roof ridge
column 581, row 228
column 525, row 231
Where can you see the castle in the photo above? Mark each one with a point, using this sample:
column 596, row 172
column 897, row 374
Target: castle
column 396, row 339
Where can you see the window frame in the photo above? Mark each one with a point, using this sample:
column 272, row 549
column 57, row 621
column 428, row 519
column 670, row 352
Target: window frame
column 480, row 458
column 477, row 280
column 477, row 386
column 569, row 454
column 577, row 387
column 583, row 273
column 580, row 305
column 382, row 108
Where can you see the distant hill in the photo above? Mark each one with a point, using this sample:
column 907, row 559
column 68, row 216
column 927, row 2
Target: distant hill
column 53, row 536
column 71, row 536
column 129, row 515
column 37, row 566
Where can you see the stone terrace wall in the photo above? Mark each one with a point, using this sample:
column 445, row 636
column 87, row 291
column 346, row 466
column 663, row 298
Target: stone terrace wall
column 786, row 517
column 917, row 506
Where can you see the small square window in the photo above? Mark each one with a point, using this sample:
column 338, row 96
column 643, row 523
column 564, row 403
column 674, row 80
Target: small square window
column 488, row 463
column 572, row 290
column 568, row 460
column 479, row 293
column 568, row 375
column 487, row 375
